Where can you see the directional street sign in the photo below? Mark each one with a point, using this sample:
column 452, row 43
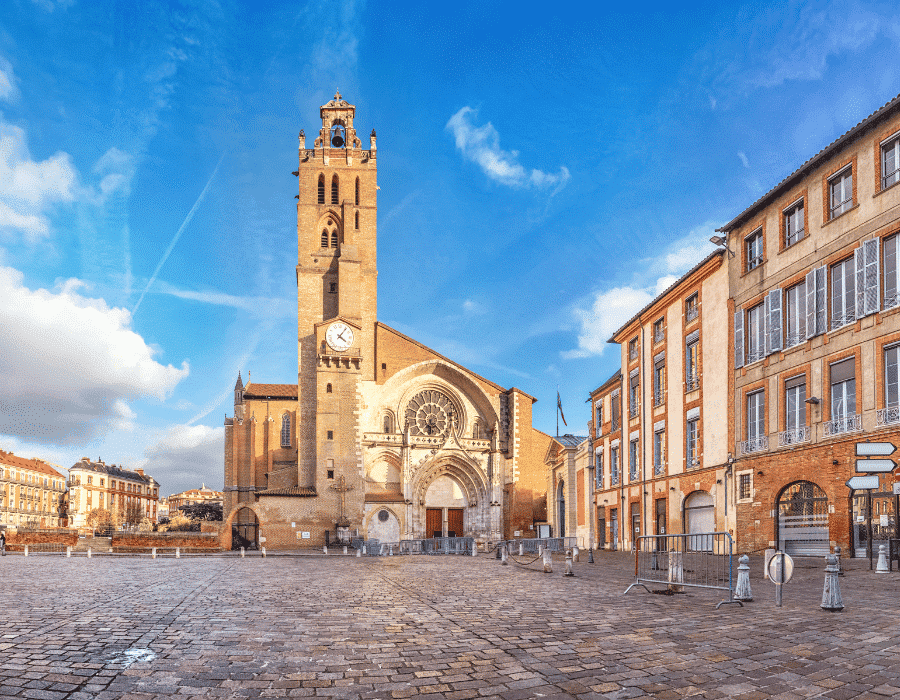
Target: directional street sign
column 863, row 483
column 874, row 449
column 872, row 466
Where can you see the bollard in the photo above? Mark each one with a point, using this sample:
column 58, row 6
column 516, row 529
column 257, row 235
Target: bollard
column 499, row 545
column 69, row 552
column 590, row 556
column 364, row 548
column 575, row 553
column 178, row 552
column 831, row 593
column 474, row 548
column 358, row 553
column 540, row 550
column 676, row 571
column 504, row 555
column 153, row 553
column 242, row 552
column 882, row 567
column 391, row 550
column 548, row 561
column 345, row 550
column 264, row 552
column 521, row 548
column 89, row 552
column 26, row 550
column 742, row 590
column 837, row 553
column 569, row 557
column 324, row 549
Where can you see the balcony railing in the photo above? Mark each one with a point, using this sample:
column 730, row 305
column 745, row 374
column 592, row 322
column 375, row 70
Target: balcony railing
column 693, row 462
column 632, row 472
column 845, row 424
column 755, row 354
column 615, row 425
column 659, row 397
column 794, row 437
column 659, row 335
column 755, row 445
column 632, row 353
column 658, row 469
column 691, row 382
column 633, row 410
column 841, row 320
column 888, row 416
column 793, row 339
column 614, row 477
column 691, row 313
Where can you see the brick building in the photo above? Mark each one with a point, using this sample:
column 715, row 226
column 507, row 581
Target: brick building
column 660, row 447
column 128, row 496
column 380, row 436
column 816, row 333
column 32, row 493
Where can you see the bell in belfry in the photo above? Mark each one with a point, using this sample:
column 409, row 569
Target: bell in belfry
column 337, row 138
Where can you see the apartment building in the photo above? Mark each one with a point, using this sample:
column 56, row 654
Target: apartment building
column 32, row 493
column 813, row 273
column 659, row 425
column 194, row 497
column 128, row 496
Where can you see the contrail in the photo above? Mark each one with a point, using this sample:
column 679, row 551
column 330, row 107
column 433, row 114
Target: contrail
column 181, row 228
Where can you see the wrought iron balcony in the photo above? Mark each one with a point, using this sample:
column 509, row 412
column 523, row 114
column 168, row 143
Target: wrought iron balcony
column 755, row 445
column 839, row 321
column 888, row 416
column 691, row 313
column 792, row 339
column 794, row 437
column 658, row 469
column 614, row 477
column 691, row 382
column 659, row 397
column 844, row 424
column 755, row 355
column 632, row 472
column 634, row 410
column 632, row 353
column 659, row 335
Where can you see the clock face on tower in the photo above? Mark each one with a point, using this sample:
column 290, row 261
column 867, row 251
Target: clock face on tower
column 339, row 336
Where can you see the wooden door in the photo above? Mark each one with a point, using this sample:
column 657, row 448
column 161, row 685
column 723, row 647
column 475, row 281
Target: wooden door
column 454, row 522
column 433, row 524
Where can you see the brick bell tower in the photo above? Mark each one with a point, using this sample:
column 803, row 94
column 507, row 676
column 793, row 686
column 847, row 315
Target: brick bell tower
column 336, row 308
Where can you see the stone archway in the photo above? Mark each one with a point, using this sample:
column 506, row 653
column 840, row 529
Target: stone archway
column 456, row 487
column 243, row 521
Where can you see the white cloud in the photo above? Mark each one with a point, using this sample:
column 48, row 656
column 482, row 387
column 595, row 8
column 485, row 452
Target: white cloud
column 8, row 90
column 28, row 189
column 608, row 310
column 473, row 308
column 116, row 169
column 481, row 145
column 70, row 364
column 186, row 456
column 743, row 157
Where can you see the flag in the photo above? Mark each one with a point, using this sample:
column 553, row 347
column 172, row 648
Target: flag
column 559, row 406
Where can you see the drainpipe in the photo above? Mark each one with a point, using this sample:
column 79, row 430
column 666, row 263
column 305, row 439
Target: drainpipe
column 642, row 427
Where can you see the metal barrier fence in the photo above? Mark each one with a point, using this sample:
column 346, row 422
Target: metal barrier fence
column 530, row 546
column 695, row 560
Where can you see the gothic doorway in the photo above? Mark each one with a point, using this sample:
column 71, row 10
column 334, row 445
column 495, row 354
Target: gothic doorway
column 802, row 509
column 245, row 530
column 454, row 522
column 434, row 526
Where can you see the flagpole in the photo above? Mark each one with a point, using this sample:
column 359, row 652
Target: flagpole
column 557, row 409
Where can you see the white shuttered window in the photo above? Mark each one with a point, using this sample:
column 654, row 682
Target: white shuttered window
column 843, row 293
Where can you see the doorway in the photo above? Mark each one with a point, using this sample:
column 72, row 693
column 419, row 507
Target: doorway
column 454, row 522
column 635, row 524
column 434, row 526
column 614, row 521
column 245, row 530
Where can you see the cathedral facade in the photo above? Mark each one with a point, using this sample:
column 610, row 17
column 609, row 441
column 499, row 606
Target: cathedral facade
column 380, row 437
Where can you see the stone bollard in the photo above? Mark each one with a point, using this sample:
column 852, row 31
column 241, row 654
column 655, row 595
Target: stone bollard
column 26, row 550
column 345, row 549
column 521, row 548
column 498, row 550
column 882, row 567
column 178, row 552
column 575, row 553
column 68, row 552
column 324, row 549
column 243, row 552
column 391, row 550
column 153, row 553
column 89, row 552
column 364, row 549
column 264, row 552
column 742, row 590
column 540, row 550
column 676, row 571
column 358, row 553
column 837, row 553
column 590, row 556
column 831, row 593
column 548, row 561
column 569, row 556
column 504, row 556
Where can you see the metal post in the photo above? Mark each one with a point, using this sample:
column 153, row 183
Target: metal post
column 474, row 548
column 869, row 525
column 590, row 556
column 837, row 553
column 499, row 545
column 831, row 593
column 779, row 576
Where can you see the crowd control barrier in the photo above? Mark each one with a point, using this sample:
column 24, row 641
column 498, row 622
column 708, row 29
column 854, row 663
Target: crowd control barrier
column 695, row 560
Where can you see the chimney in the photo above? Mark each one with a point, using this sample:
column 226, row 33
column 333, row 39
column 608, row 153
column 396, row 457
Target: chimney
column 140, row 471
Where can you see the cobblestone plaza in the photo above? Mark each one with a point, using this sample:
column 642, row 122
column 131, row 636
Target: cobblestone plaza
column 434, row 627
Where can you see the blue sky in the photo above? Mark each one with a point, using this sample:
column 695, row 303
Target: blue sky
column 543, row 172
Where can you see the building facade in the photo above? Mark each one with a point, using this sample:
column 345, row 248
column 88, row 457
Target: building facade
column 127, row 496
column 815, row 328
column 569, row 488
column 380, row 436
column 661, row 455
column 32, row 493
column 193, row 497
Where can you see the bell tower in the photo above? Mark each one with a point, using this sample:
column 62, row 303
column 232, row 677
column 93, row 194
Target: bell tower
column 336, row 298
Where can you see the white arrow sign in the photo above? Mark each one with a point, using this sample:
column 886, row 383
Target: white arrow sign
column 872, row 466
column 863, row 483
column 874, row 449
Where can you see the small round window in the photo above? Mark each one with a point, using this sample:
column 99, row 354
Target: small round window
column 383, row 516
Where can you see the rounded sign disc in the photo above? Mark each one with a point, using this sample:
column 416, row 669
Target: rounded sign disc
column 787, row 567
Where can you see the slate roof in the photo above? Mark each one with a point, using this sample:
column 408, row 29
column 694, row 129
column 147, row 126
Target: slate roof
column 113, row 471
column 569, row 440
column 37, row 465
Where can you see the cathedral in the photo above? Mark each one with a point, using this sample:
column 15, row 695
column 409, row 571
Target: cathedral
column 380, row 437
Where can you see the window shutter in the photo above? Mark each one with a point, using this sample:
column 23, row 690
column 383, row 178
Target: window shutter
column 870, row 256
column 810, row 304
column 891, row 379
column 739, row 339
column 766, row 324
column 774, row 316
column 821, row 296
column 860, row 266
column 890, row 272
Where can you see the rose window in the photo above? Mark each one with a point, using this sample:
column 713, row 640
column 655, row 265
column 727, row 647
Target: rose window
column 429, row 413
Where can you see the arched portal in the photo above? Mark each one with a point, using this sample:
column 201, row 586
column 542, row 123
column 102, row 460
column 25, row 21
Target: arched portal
column 245, row 530
column 445, row 508
column 700, row 517
column 561, row 509
column 802, row 509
